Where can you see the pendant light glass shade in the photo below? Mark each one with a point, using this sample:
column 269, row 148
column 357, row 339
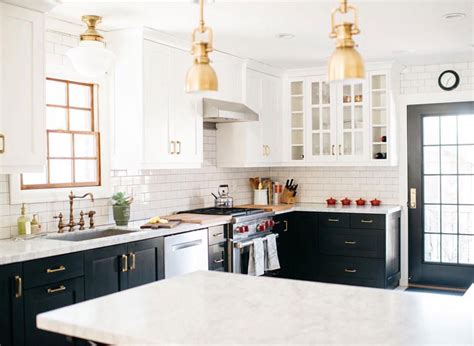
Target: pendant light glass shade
column 90, row 58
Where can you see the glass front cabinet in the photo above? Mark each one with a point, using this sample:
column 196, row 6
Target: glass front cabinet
column 332, row 123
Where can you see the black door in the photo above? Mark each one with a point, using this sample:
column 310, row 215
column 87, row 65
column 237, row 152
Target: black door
column 11, row 305
column 46, row 298
column 105, row 270
column 145, row 263
column 304, row 230
column 441, row 194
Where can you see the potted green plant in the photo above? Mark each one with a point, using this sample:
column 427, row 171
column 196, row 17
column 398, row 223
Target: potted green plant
column 121, row 208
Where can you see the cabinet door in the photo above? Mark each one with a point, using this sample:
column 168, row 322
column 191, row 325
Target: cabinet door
column 254, row 131
column 229, row 75
column 297, row 119
column 46, row 298
column 145, row 262
column 285, row 229
column 321, row 120
column 352, row 122
column 105, row 271
column 185, row 119
column 11, row 305
column 157, row 132
column 22, row 121
column 305, row 246
column 272, row 118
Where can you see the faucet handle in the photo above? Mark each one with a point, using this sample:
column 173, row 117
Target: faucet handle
column 81, row 221
column 60, row 223
column 91, row 218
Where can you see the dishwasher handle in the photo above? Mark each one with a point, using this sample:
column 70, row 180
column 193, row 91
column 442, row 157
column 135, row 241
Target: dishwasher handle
column 186, row 245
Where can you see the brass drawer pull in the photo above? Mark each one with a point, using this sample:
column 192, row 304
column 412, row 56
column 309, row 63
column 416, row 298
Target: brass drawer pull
column 58, row 289
column 2, row 144
column 217, row 234
column 350, row 270
column 55, row 270
column 219, row 260
column 19, row 287
column 333, row 220
column 133, row 266
column 179, row 148
column 124, row 263
column 366, row 221
column 350, row 242
column 286, row 225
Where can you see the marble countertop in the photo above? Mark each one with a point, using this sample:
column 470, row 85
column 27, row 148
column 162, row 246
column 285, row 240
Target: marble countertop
column 223, row 308
column 384, row 209
column 12, row 250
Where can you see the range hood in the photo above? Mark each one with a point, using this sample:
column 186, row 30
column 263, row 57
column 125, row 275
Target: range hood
column 218, row 111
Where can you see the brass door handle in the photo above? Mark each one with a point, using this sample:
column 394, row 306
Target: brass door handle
column 340, row 151
column 350, row 242
column 286, row 226
column 333, row 220
column 18, row 287
column 179, row 148
column 267, row 150
column 55, row 270
column 350, row 270
column 133, row 265
column 173, row 144
column 412, row 198
column 124, row 263
column 333, row 147
column 219, row 260
column 58, row 289
column 2, row 143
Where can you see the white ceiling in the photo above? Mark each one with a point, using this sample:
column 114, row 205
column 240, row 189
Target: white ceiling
column 403, row 30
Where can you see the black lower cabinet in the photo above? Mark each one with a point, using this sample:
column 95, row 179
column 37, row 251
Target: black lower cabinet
column 146, row 262
column 11, row 305
column 46, row 298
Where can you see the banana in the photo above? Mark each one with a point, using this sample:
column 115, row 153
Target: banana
column 157, row 219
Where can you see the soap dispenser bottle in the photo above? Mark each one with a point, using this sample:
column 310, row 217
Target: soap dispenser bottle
column 24, row 224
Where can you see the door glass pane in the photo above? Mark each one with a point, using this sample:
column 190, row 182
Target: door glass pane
column 449, row 189
column 432, row 189
column 80, row 120
column 448, row 130
column 56, row 93
column 358, row 92
column 85, row 171
column 466, row 159
column 79, row 95
column 466, row 129
column 431, row 163
column 358, row 143
column 466, row 249
column 430, row 130
column 326, row 144
column 466, row 189
column 316, row 144
column 60, row 144
column 326, row 98
column 449, row 160
column 316, row 119
column 466, row 219
column 432, row 247
column 379, row 82
column 450, row 219
column 56, row 118
column 449, row 248
column 60, row 171
column 347, row 143
column 347, row 117
column 326, row 125
column 432, row 218
column 315, row 93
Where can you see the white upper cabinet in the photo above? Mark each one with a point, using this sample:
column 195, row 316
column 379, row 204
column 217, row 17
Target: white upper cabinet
column 257, row 143
column 229, row 75
column 22, row 113
column 156, row 124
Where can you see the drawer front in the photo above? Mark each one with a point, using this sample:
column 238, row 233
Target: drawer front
column 217, row 258
column 369, row 221
column 216, row 235
column 338, row 220
column 352, row 242
column 53, row 269
column 352, row 270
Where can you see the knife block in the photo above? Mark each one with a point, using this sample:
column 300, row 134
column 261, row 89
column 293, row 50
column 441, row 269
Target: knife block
column 287, row 197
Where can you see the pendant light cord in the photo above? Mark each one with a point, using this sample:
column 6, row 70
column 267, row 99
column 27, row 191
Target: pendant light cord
column 202, row 25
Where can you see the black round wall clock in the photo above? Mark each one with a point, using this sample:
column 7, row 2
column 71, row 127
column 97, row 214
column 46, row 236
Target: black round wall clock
column 448, row 80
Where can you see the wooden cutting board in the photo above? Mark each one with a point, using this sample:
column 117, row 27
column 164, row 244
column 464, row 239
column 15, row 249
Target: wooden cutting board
column 201, row 219
column 170, row 224
column 274, row 208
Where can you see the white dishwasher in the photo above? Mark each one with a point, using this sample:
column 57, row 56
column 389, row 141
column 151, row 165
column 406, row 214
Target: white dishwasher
column 186, row 253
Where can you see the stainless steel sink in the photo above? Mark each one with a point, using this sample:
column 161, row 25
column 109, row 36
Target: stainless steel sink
column 87, row 235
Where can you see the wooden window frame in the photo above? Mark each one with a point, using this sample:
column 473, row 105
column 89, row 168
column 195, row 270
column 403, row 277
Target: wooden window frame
column 93, row 105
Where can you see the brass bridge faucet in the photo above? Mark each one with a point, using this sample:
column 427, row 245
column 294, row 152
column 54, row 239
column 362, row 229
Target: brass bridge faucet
column 71, row 223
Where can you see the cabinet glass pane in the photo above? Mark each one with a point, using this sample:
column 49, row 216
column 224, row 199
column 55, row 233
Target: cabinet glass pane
column 296, row 88
column 449, row 189
column 316, row 144
column 379, row 82
column 431, row 163
column 80, row 120
column 431, row 188
column 326, row 144
column 347, row 117
column 315, row 93
column 430, row 130
column 60, row 144
column 466, row 129
column 60, row 171
column 85, row 171
column 466, row 159
column 297, row 153
column 56, row 118
column 297, row 104
column 378, row 134
column 448, row 130
column 316, row 119
column 466, row 249
column 449, row 248
column 379, row 117
column 297, row 137
column 379, row 99
column 466, row 219
column 432, row 247
column 80, row 95
column 56, row 93
column 358, row 117
column 358, row 92
column 358, row 143
column 326, row 119
column 347, row 143
column 449, row 162
column 449, row 219
column 432, row 218
column 326, row 98
column 347, row 94
column 297, row 120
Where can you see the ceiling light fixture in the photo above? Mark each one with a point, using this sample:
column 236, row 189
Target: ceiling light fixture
column 345, row 63
column 285, row 36
column 454, row 15
column 201, row 76
column 91, row 58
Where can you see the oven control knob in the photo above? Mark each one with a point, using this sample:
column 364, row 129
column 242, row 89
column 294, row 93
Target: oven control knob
column 272, row 223
column 269, row 223
column 241, row 229
column 261, row 227
column 246, row 228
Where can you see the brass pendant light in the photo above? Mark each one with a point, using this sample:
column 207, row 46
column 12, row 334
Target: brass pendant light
column 201, row 76
column 345, row 63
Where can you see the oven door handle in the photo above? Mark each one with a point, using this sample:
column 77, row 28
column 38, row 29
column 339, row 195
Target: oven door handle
column 241, row 245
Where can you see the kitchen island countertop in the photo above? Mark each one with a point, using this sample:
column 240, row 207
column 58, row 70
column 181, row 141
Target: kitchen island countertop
column 222, row 308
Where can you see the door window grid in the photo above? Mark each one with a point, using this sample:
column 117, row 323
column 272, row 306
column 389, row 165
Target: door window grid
column 73, row 144
column 439, row 241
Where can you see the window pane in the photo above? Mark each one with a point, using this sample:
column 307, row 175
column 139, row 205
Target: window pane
column 465, row 129
column 80, row 120
column 85, row 146
column 86, row 171
column 449, row 162
column 430, row 130
column 448, row 130
column 34, row 178
column 56, row 93
column 449, row 248
column 450, row 219
column 60, row 144
column 466, row 189
column 431, row 189
column 449, row 189
column 431, row 160
column 466, row 219
column 466, row 159
column 432, row 247
column 79, row 95
column 432, row 218
column 60, row 171
column 56, row 118
column 466, row 249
